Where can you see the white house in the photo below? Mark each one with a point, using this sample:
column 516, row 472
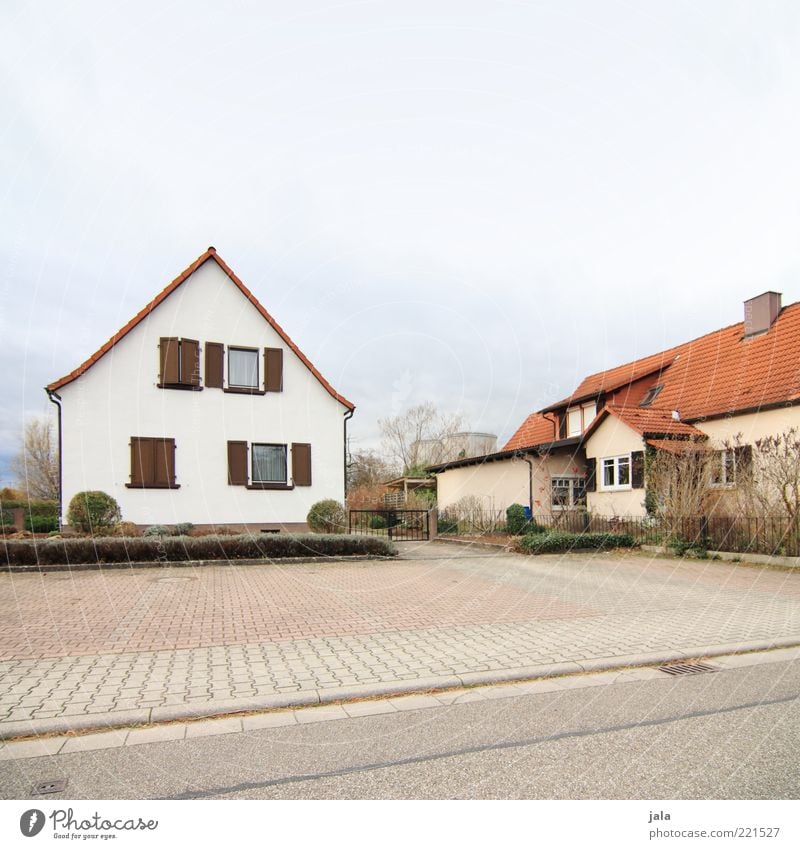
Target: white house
column 201, row 409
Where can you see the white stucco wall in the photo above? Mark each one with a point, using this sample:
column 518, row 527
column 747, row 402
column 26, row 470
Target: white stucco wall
column 118, row 398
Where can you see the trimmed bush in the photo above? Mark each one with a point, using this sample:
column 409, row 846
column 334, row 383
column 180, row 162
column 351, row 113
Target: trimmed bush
column 556, row 541
column 377, row 523
column 516, row 523
column 125, row 529
column 183, row 529
column 100, row 550
column 327, row 517
column 156, row 531
column 34, row 506
column 41, row 524
column 93, row 512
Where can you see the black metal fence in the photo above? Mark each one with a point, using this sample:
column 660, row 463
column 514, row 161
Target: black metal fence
column 775, row 535
column 398, row 525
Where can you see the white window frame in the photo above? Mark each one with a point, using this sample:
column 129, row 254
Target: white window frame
column 726, row 470
column 615, row 464
column 583, row 416
column 576, row 488
column 240, row 349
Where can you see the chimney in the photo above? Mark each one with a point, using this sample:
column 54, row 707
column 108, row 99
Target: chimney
column 761, row 312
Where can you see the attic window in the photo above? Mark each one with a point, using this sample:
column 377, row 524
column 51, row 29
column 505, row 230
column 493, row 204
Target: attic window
column 652, row 394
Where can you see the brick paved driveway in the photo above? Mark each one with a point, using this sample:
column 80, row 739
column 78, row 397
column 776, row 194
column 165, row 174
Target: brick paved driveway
column 98, row 642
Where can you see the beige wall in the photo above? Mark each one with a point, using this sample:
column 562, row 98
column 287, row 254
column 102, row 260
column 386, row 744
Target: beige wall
column 611, row 439
column 753, row 426
column 505, row 482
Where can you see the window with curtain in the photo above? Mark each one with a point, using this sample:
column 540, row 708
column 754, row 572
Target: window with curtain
column 243, row 368
column 269, row 464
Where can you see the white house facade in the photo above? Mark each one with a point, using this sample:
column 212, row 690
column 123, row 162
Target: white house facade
column 202, row 410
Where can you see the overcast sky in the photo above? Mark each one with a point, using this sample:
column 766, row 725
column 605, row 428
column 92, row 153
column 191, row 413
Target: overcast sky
column 474, row 203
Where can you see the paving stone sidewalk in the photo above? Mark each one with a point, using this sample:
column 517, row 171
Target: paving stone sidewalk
column 145, row 645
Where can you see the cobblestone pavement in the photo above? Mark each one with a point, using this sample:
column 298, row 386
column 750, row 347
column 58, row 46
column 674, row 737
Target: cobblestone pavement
column 183, row 638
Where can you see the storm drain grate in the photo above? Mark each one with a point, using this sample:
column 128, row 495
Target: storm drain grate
column 686, row 668
column 54, row 785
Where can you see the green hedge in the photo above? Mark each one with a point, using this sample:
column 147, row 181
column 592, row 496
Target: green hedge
column 41, row 524
column 33, row 507
column 178, row 549
column 556, row 541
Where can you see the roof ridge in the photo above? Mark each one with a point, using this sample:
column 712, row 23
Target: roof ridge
column 209, row 253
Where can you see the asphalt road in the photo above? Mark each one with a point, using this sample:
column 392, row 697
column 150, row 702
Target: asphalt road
column 726, row 734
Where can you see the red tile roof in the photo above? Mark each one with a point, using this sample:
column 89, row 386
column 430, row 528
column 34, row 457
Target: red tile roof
column 648, row 422
column 210, row 254
column 719, row 374
column 535, row 430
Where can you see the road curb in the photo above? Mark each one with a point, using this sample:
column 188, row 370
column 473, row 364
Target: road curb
column 185, row 712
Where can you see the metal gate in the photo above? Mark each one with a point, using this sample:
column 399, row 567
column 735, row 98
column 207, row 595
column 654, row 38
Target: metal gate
column 398, row 525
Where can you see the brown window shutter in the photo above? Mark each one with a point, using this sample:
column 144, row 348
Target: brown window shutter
column 591, row 475
column 637, row 470
column 215, row 364
column 141, row 461
column 163, row 462
column 190, row 362
column 273, row 369
column 237, row 463
column 301, row 463
column 169, row 360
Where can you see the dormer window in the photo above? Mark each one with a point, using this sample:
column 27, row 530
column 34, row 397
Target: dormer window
column 651, row 395
column 579, row 418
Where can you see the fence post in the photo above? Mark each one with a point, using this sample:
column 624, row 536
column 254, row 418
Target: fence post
column 433, row 523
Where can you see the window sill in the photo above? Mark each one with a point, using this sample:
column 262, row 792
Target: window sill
column 237, row 390
column 626, row 488
column 152, row 486
column 284, row 486
column 186, row 387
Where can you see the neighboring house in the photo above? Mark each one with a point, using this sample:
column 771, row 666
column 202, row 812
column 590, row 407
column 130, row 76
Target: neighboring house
column 201, row 409
column 588, row 450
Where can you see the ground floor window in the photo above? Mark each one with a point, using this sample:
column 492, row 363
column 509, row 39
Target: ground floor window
column 723, row 471
column 567, row 493
column 269, row 464
column 617, row 472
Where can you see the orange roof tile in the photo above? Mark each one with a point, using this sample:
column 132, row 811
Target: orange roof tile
column 647, row 421
column 535, row 430
column 715, row 375
column 211, row 253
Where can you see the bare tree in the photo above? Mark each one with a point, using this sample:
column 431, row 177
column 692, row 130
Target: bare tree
column 36, row 463
column 680, row 480
column 367, row 468
column 769, row 483
column 418, row 437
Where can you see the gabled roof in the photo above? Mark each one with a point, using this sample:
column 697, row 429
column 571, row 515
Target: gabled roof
column 210, row 254
column 607, row 381
column 535, row 430
column 646, row 422
column 720, row 374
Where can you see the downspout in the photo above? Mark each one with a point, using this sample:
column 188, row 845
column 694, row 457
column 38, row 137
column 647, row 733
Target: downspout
column 55, row 398
column 530, row 480
column 555, row 425
column 347, row 416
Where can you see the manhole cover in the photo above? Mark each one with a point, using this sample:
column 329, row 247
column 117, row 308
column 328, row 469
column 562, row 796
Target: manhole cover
column 53, row 785
column 686, row 668
column 177, row 579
